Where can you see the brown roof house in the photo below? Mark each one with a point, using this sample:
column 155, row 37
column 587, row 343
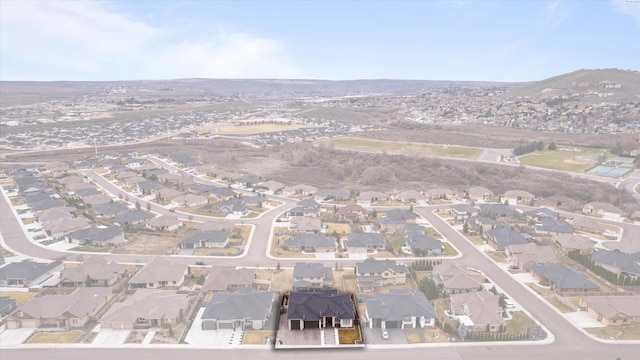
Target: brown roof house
column 453, row 279
column 160, row 272
column 147, row 308
column 60, row 311
column 603, row 210
column 372, row 273
column 228, row 279
column 613, row 310
column 570, row 242
column 96, row 271
column 478, row 310
column 524, row 256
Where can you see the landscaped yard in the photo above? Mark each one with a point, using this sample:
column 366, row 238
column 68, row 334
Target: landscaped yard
column 55, row 337
column 338, row 228
column 104, row 249
column 519, row 323
column 257, row 337
column 349, row 336
column 559, row 305
column 448, row 250
column 397, row 241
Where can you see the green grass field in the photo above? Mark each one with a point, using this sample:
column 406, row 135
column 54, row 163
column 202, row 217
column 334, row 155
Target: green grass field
column 394, row 147
column 565, row 160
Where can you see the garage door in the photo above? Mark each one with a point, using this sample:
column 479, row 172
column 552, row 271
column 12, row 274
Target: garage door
column 225, row 325
column 312, row 324
column 295, row 324
column 393, row 324
column 377, row 323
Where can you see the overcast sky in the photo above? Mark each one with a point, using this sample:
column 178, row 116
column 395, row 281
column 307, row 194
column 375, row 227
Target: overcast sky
column 335, row 40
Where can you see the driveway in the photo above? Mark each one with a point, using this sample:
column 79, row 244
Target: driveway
column 218, row 338
column 374, row 336
column 111, row 337
column 15, row 336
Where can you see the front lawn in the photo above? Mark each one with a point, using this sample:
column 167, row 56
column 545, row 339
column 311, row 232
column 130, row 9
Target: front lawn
column 349, row 336
column 616, row 333
column 55, row 337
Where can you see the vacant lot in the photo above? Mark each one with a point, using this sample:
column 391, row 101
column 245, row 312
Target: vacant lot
column 55, row 337
column 21, row 298
column 574, row 161
column 622, row 333
column 403, row 147
column 255, row 129
column 150, row 243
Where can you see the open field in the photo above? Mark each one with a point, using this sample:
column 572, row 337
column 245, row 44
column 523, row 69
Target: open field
column 255, row 129
column 578, row 161
column 394, row 147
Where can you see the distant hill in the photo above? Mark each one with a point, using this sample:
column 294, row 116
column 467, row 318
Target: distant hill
column 593, row 85
column 29, row 92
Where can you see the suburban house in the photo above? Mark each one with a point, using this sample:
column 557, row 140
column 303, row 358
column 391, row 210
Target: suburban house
column 367, row 198
column 248, row 181
column 412, row 197
column 479, row 224
column 62, row 312
column 440, row 194
column 133, row 217
column 400, row 309
column 28, row 273
column 96, row 271
column 319, row 309
column 613, row 310
column 305, row 225
column 588, row 224
column 514, row 197
column 479, row 194
column 160, row 272
column 228, row 279
column 570, row 242
column 498, row 239
column 311, row 243
column 618, row 262
column 478, row 310
column 147, row 187
column 300, row 189
column 391, row 226
column 110, row 209
column 305, row 208
column 205, row 239
column 332, row 194
column 423, row 245
column 461, row 212
column 97, row 236
column 364, row 242
column 524, row 256
column 189, row 200
column 59, row 228
column 147, row 308
column 553, row 226
column 308, row 276
column 603, row 210
column 223, row 193
column 246, row 309
column 562, row 279
column 233, row 206
column 495, row 211
column 167, row 194
column 372, row 273
column 272, row 186
column 452, row 278
column 352, row 213
column 165, row 223
column 57, row 213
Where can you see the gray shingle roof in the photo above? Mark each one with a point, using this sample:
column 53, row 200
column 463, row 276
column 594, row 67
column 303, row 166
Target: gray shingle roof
column 212, row 236
column 312, row 270
column 564, row 278
column 311, row 240
column 627, row 263
column 96, row 234
column 365, row 239
column 247, row 303
column 28, row 270
column 314, row 305
column 374, row 266
column 395, row 306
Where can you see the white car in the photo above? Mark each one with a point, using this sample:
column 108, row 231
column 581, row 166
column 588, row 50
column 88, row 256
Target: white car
column 385, row 334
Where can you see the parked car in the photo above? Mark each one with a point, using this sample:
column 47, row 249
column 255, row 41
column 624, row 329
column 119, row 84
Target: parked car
column 385, row 334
